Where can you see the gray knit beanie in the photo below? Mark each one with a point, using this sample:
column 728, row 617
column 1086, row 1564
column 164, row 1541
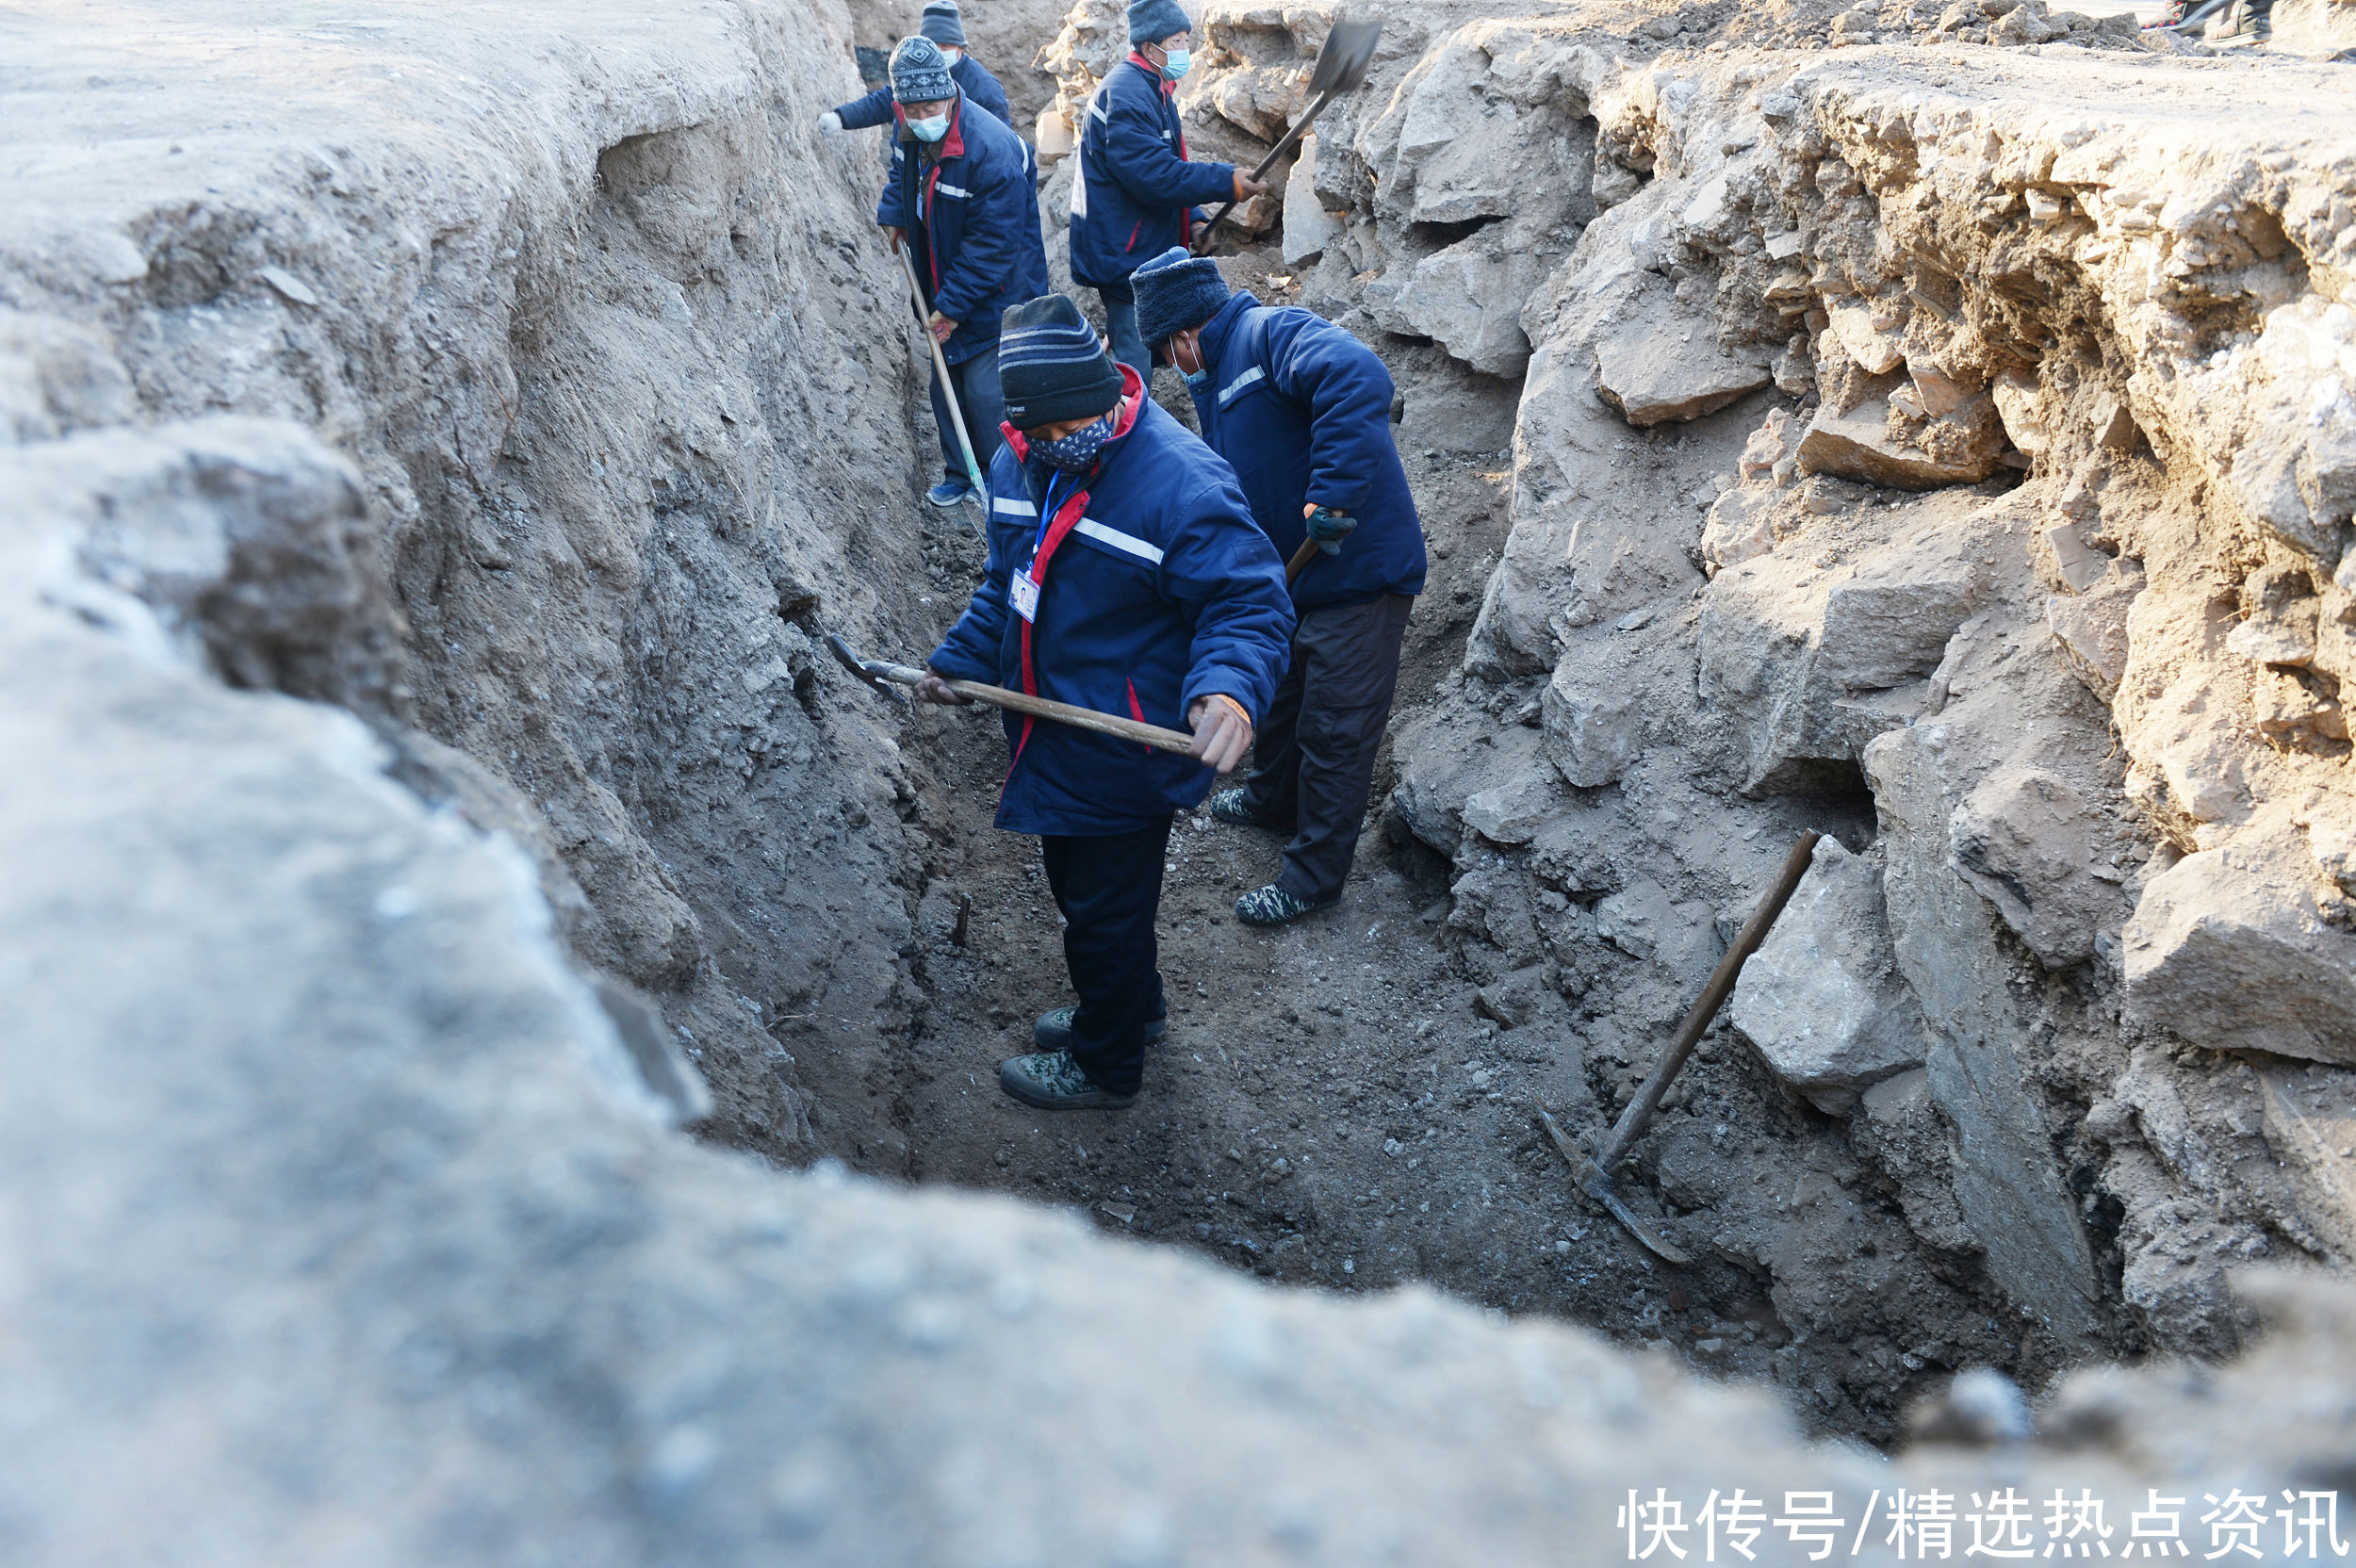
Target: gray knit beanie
column 920, row 72
column 942, row 24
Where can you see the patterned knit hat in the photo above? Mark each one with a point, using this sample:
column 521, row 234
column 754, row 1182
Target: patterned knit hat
column 942, row 22
column 1051, row 366
column 920, row 72
column 1176, row 291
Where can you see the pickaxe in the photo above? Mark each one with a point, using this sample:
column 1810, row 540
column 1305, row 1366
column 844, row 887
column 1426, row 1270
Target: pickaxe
column 1341, row 68
column 876, row 671
column 1594, row 1176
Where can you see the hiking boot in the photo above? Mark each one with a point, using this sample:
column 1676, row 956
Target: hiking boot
column 1273, row 906
column 1051, row 1081
column 949, row 492
column 1234, row 806
column 1052, row 1032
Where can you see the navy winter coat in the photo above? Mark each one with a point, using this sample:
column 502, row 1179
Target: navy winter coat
column 1135, row 192
column 973, row 216
column 1159, row 591
column 1301, row 410
column 972, row 78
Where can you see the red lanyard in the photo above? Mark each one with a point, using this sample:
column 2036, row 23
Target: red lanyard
column 1065, row 519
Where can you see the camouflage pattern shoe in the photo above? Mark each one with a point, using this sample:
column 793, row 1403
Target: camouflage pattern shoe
column 1052, row 1032
column 1273, row 906
column 1053, row 1081
column 1234, row 805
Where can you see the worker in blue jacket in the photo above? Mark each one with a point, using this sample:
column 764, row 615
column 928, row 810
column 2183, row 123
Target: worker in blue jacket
column 1125, row 575
column 960, row 193
column 945, row 27
column 1301, row 410
column 1135, row 192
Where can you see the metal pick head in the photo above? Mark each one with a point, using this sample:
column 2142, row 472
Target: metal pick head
column 1596, row 1185
column 851, row 661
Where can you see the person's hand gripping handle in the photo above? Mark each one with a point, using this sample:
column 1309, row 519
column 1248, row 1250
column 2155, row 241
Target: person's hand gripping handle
column 1222, row 730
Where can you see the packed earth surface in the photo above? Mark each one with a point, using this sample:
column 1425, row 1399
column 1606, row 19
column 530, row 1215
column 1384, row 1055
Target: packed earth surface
column 504, row 1029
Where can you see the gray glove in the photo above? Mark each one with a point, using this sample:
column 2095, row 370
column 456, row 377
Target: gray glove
column 1329, row 527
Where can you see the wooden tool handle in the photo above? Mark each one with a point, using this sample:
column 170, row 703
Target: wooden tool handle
column 1632, row 1120
column 1301, row 559
column 1203, row 244
column 1062, row 713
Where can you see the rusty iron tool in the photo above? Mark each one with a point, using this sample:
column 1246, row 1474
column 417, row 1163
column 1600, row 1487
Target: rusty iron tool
column 876, row 673
column 1341, row 67
column 1594, row 1176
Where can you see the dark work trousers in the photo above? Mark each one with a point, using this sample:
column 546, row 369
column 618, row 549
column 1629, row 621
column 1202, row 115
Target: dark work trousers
column 1121, row 326
column 1312, row 759
column 985, row 408
column 1109, row 887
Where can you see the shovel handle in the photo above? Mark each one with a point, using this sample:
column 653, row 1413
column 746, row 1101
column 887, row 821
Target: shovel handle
column 1203, row 242
column 1632, row 1122
column 1062, row 713
column 1302, row 557
column 940, row 369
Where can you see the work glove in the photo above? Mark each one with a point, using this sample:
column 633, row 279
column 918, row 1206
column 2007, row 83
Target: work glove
column 1329, row 527
column 830, row 122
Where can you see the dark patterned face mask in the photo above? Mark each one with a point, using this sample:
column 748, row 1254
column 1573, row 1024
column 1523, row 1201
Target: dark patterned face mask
column 1075, row 452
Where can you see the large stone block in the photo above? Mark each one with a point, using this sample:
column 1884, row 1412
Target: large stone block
column 1822, row 998
column 1815, row 665
column 1857, row 444
column 2026, row 839
column 1593, row 712
column 1658, row 362
column 2228, row 949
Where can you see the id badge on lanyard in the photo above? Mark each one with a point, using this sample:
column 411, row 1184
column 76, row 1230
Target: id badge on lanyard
column 1023, row 589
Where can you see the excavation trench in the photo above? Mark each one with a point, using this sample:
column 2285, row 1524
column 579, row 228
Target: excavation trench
column 1613, row 720
column 1348, row 1104
column 1805, row 439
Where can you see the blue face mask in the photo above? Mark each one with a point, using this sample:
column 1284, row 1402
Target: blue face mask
column 1177, row 63
column 1197, row 380
column 1075, row 453
column 931, row 129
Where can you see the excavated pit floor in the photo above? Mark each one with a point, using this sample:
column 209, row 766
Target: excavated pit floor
column 1332, row 1109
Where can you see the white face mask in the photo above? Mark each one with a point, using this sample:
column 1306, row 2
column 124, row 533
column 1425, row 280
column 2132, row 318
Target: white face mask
column 951, row 53
column 932, row 128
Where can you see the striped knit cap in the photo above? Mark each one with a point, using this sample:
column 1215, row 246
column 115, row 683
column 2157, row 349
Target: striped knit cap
column 942, row 24
column 1051, row 366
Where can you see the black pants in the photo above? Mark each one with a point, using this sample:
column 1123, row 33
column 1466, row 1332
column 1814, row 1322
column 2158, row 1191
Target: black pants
column 1313, row 759
column 1109, row 888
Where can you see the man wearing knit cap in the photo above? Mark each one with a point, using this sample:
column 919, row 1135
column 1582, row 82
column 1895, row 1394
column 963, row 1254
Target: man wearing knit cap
column 946, row 28
column 960, row 195
column 1135, row 192
column 1301, row 410
column 1125, row 575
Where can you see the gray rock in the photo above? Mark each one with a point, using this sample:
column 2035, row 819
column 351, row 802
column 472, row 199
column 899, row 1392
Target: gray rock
column 1593, row 712
column 2027, row 839
column 2228, row 949
column 1856, row 445
column 1658, row 364
column 1822, row 998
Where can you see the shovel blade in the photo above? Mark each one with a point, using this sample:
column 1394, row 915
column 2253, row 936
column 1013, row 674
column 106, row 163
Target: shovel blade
column 1349, row 50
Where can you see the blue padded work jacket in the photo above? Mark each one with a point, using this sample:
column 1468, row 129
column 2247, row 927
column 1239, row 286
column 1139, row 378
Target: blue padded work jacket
column 1159, row 590
column 972, row 78
column 971, row 213
column 1302, row 411
column 1135, row 192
